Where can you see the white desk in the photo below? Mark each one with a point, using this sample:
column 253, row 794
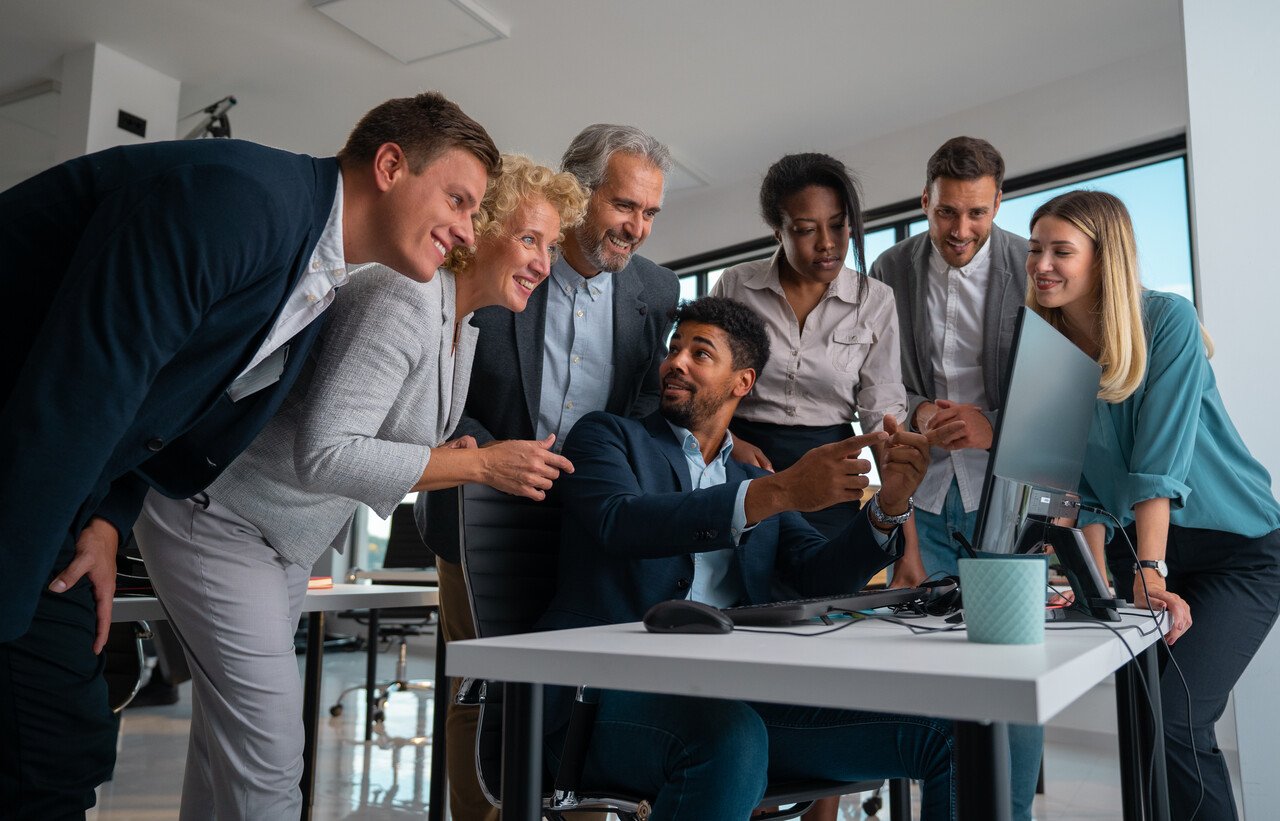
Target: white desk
column 868, row 666
column 316, row 604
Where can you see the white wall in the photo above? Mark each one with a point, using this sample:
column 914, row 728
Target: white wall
column 97, row 83
column 1136, row 100
column 1232, row 67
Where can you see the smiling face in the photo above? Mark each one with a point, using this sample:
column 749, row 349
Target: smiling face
column 698, row 379
column 619, row 215
column 960, row 214
column 1060, row 265
column 422, row 216
column 814, row 234
column 514, row 260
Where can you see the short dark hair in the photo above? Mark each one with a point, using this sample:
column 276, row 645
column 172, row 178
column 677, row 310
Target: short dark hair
column 748, row 340
column 796, row 172
column 424, row 127
column 965, row 158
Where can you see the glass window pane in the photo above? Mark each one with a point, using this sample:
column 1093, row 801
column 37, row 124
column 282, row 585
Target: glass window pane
column 876, row 242
column 919, row 227
column 689, row 287
column 713, row 277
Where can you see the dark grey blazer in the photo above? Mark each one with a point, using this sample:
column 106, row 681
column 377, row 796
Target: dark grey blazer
column 506, row 380
column 506, row 377
column 905, row 268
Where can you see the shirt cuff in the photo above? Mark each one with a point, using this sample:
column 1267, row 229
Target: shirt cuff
column 881, row 537
column 738, row 525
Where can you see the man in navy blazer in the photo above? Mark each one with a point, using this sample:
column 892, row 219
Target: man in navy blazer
column 656, row 509
column 160, row 302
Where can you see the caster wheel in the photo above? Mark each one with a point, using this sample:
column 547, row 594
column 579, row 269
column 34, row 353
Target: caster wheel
column 335, row 710
column 872, row 805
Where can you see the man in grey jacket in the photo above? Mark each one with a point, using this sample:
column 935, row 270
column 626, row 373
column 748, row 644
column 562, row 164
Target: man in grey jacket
column 591, row 339
column 958, row 289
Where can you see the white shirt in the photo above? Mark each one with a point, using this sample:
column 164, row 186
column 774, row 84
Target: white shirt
column 314, row 292
column 956, row 302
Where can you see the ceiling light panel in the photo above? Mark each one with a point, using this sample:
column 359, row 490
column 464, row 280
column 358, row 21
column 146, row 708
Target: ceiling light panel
column 413, row 30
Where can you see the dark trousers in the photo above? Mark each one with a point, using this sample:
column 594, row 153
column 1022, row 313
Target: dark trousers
column 1232, row 584
column 57, row 733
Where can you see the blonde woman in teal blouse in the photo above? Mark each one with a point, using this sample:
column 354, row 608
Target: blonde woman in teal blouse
column 1165, row 460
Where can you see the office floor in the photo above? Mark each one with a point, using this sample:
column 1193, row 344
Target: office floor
column 389, row 778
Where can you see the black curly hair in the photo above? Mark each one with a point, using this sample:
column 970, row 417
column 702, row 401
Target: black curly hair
column 748, row 340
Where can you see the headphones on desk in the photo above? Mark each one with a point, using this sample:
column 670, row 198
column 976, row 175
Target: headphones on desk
column 941, row 597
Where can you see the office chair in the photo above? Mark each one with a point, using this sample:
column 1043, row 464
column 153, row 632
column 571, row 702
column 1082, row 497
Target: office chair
column 509, row 548
column 405, row 549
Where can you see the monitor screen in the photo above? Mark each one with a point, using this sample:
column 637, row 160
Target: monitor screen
column 1037, row 453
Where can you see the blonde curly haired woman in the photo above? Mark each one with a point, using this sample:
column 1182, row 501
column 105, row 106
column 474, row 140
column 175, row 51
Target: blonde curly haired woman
column 364, row 423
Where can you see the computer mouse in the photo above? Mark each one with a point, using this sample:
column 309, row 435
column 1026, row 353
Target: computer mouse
column 685, row 616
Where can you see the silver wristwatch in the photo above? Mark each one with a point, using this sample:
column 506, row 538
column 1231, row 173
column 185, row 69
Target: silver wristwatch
column 879, row 517
column 1162, row 569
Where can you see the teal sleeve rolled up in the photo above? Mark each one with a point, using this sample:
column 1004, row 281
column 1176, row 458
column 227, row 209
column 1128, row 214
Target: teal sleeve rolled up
column 1172, row 439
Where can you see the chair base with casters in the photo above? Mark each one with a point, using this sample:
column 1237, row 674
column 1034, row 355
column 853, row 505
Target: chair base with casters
column 401, row 683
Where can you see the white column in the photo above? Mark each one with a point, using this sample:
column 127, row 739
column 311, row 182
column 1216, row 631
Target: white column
column 97, row 83
column 1232, row 68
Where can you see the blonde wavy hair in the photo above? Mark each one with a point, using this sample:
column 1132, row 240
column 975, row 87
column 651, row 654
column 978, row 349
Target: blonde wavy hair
column 1122, row 338
column 522, row 179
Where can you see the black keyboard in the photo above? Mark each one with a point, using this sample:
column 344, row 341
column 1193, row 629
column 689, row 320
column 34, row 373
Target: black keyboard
column 798, row 611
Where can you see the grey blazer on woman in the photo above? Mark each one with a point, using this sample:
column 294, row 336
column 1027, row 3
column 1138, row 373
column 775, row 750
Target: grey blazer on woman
column 360, row 423
column 905, row 268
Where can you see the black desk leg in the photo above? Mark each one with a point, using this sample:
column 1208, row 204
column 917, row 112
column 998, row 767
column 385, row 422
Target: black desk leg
column 1141, row 731
column 370, row 674
column 441, row 694
column 311, row 708
column 522, row 752
column 982, row 761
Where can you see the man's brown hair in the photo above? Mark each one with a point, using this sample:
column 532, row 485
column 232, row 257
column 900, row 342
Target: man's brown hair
column 965, row 158
column 424, row 127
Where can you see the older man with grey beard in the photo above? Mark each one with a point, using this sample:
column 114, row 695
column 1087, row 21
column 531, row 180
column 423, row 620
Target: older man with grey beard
column 590, row 339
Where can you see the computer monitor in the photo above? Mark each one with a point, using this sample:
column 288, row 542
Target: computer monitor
column 1030, row 496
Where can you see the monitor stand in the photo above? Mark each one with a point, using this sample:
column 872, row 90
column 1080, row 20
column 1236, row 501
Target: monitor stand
column 1091, row 600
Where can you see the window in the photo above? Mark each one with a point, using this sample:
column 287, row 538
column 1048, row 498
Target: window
column 1150, row 179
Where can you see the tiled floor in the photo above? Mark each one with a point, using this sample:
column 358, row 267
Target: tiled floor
column 389, row 778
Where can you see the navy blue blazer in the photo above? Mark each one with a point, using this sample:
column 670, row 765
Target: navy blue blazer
column 632, row 524
column 139, row 283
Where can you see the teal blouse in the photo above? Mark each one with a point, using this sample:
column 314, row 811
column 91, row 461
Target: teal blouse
column 1173, row 439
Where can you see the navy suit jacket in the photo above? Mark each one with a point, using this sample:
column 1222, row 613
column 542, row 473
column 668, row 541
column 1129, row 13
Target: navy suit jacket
column 140, row 281
column 632, row 524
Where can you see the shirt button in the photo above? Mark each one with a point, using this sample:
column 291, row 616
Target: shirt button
column 569, row 405
column 791, row 411
column 581, row 313
column 682, row 584
column 155, row 445
column 795, row 352
column 577, row 359
column 312, row 298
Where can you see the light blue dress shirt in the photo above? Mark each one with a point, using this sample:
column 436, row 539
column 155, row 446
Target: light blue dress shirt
column 716, row 580
column 1172, row 439
column 577, row 353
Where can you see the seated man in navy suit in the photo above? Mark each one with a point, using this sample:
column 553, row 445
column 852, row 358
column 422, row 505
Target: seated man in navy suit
column 657, row 510
column 160, row 299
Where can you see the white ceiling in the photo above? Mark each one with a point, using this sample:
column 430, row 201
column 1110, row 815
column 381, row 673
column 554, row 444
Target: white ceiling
column 730, row 85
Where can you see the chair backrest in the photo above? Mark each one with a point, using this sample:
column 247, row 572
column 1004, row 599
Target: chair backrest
column 405, row 547
column 509, row 547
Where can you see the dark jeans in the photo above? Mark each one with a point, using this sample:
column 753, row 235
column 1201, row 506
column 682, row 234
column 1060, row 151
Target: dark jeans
column 57, row 733
column 1232, row 584
column 701, row 759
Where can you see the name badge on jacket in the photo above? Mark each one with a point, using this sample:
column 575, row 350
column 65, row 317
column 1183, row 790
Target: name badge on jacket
column 263, row 375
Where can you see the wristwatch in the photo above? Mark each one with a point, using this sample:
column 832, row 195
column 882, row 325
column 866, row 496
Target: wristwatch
column 879, row 517
column 1155, row 564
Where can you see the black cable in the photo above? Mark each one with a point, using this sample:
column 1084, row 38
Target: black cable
column 1191, row 736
